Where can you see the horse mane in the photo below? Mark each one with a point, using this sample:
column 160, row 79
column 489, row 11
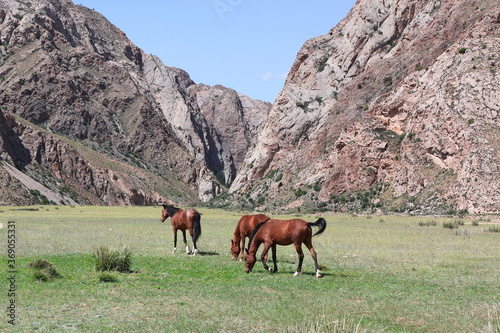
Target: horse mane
column 171, row 210
column 252, row 235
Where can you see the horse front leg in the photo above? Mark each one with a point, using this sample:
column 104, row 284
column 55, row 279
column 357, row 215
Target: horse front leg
column 242, row 248
column 273, row 250
column 185, row 241
column 298, row 248
column 263, row 257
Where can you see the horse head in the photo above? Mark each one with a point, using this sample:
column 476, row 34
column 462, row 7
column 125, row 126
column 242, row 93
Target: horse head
column 235, row 249
column 164, row 213
column 249, row 261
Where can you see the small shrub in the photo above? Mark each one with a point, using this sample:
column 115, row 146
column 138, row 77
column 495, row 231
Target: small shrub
column 462, row 50
column 280, row 177
column 388, row 81
column 322, row 64
column 108, row 260
column 300, row 192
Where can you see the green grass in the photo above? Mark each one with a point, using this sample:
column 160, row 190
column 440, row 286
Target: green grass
column 380, row 274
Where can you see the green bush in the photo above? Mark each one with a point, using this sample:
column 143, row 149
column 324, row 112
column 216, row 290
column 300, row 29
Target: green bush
column 108, row 260
column 300, row 192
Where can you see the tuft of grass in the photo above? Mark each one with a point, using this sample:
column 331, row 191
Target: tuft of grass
column 427, row 223
column 453, row 225
column 493, row 320
column 326, row 324
column 44, row 271
column 113, row 260
column 494, row 229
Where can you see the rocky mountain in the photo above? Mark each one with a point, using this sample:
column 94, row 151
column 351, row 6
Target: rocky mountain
column 395, row 108
column 90, row 117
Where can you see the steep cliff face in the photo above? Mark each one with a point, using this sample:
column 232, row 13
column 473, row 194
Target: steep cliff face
column 395, row 107
column 236, row 117
column 69, row 71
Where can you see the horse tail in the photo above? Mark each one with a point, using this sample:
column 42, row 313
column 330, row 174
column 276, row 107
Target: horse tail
column 320, row 223
column 196, row 226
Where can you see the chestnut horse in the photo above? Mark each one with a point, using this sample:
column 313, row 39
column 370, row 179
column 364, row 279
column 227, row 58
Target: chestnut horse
column 283, row 232
column 244, row 229
column 183, row 220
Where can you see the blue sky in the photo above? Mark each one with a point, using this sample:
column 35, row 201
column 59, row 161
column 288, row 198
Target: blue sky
column 247, row 45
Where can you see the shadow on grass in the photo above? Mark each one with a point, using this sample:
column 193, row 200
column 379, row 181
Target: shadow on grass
column 209, row 253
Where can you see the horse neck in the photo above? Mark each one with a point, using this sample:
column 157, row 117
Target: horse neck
column 173, row 211
column 236, row 236
column 254, row 246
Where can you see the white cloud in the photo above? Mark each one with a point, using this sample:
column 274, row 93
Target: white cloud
column 267, row 76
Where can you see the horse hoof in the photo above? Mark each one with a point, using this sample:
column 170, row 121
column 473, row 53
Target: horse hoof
column 175, row 250
column 296, row 274
column 318, row 275
column 271, row 270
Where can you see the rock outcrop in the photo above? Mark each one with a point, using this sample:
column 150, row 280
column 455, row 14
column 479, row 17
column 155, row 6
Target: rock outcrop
column 396, row 107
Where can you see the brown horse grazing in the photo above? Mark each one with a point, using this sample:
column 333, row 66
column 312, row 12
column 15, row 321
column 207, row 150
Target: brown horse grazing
column 283, row 232
column 183, row 220
column 244, row 229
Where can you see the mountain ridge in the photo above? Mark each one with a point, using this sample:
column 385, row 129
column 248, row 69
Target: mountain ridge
column 394, row 109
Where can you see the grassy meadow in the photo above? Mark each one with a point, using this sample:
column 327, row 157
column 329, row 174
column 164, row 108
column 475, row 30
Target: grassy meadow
column 380, row 274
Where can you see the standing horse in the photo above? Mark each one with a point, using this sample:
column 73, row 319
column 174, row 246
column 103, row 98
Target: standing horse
column 283, row 232
column 244, row 229
column 183, row 220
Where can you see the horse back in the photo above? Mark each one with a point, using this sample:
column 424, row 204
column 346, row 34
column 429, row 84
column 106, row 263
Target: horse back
column 247, row 224
column 286, row 232
column 189, row 216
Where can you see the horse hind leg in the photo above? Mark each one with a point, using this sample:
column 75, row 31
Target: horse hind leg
column 185, row 241
column 315, row 258
column 298, row 248
column 195, row 249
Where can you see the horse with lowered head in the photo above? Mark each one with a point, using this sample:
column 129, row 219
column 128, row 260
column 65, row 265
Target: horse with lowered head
column 283, row 232
column 244, row 229
column 183, row 220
